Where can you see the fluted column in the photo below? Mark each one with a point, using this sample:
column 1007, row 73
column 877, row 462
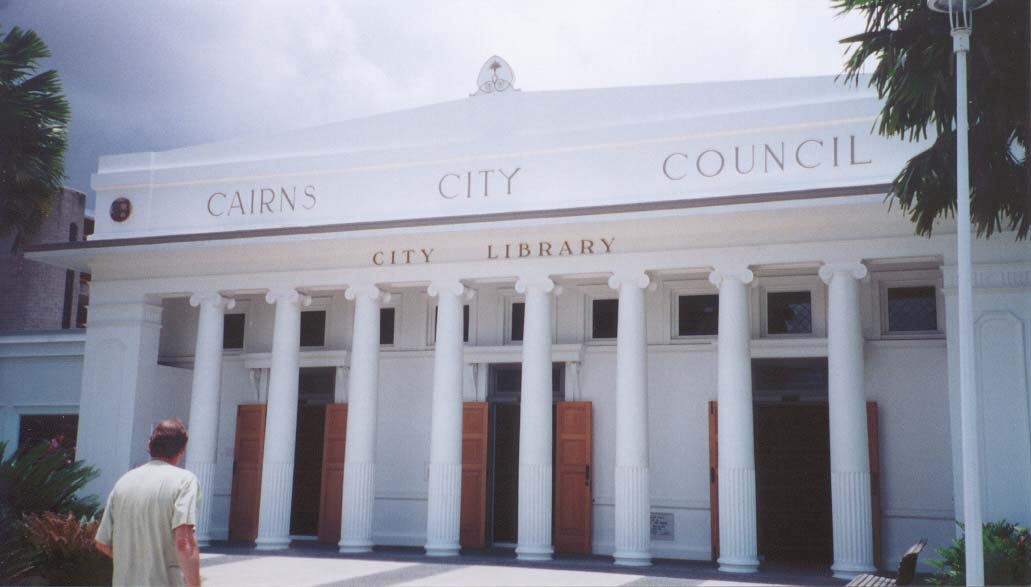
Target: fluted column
column 850, row 456
column 535, row 407
column 632, row 503
column 277, row 471
column 207, row 381
column 360, row 451
column 445, row 489
column 736, row 485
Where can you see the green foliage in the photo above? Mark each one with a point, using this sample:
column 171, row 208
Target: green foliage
column 34, row 116
column 914, row 76
column 1007, row 557
column 40, row 479
column 66, row 546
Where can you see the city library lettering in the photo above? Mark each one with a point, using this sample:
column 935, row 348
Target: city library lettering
column 675, row 321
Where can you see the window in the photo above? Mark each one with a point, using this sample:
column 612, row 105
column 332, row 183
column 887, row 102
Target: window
column 604, row 318
column 232, row 331
column 518, row 315
column 912, row 309
column 789, row 312
column 698, row 315
column 386, row 325
column 465, row 323
column 313, row 328
column 57, row 430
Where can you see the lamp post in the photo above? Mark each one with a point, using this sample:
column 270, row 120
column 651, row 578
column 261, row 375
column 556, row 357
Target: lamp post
column 960, row 18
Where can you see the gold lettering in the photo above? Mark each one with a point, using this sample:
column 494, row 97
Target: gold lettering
column 586, row 246
column 377, row 258
column 566, row 249
column 426, row 253
column 507, row 251
column 608, row 244
column 544, row 249
column 408, row 255
column 524, row 250
column 490, row 252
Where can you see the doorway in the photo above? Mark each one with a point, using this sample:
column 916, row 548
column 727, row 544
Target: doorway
column 504, row 387
column 792, row 460
column 314, row 392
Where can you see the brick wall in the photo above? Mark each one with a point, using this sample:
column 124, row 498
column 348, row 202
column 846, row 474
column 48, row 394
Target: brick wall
column 32, row 295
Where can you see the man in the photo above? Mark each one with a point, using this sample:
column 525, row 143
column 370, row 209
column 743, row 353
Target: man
column 148, row 523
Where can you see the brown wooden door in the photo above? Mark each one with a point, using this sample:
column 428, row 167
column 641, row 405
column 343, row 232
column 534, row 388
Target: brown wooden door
column 331, row 495
column 875, row 478
column 573, row 477
column 249, row 451
column 473, row 524
column 714, row 487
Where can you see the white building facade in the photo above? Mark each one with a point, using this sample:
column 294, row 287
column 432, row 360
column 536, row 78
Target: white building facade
column 674, row 321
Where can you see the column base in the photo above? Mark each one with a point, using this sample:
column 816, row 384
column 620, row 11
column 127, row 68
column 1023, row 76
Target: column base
column 740, row 565
column 850, row 571
column 271, row 543
column 442, row 550
column 354, row 547
column 632, row 559
column 534, row 553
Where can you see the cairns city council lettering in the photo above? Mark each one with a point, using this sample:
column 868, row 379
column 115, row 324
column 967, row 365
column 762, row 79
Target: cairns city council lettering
column 765, row 158
column 261, row 201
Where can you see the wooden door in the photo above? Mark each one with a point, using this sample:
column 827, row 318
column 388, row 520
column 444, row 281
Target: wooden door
column 332, row 492
column 473, row 524
column 714, row 487
column 573, row 477
column 875, row 478
column 248, row 454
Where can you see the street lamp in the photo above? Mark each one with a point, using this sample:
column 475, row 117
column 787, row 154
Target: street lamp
column 961, row 19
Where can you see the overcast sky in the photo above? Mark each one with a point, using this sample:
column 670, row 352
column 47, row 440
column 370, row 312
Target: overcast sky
column 154, row 75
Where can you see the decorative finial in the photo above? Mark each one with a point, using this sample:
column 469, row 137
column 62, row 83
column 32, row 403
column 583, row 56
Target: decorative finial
column 495, row 77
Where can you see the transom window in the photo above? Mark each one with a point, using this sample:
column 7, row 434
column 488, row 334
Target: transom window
column 912, row 309
column 386, row 325
column 313, row 328
column 55, row 430
column 789, row 312
column 232, row 330
column 604, row 318
column 698, row 315
column 518, row 315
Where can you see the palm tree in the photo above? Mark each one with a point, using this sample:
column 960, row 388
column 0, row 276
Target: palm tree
column 33, row 135
column 914, row 78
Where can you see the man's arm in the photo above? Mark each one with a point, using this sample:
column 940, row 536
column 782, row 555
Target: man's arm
column 104, row 548
column 188, row 553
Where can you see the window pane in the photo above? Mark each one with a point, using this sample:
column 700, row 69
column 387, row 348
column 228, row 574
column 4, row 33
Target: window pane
column 698, row 315
column 313, row 328
column 465, row 323
column 58, row 431
column 518, row 315
column 789, row 312
column 912, row 309
column 604, row 318
column 232, row 331
column 386, row 326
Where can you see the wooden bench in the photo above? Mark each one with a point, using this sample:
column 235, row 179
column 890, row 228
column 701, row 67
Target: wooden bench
column 906, row 574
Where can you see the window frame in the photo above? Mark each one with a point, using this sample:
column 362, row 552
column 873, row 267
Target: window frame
column 793, row 283
column 319, row 304
column 593, row 292
column 694, row 287
column 885, row 280
column 12, row 426
column 394, row 304
column 241, row 307
column 431, row 320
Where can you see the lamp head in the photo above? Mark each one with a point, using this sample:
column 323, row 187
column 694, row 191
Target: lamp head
column 951, row 6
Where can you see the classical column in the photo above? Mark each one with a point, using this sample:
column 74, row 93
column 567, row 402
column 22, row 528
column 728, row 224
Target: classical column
column 277, row 471
column 360, row 456
column 445, row 489
column 535, row 442
column 850, row 456
column 632, row 504
column 207, row 381
column 736, row 485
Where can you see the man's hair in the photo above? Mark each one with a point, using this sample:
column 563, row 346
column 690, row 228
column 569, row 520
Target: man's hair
column 168, row 439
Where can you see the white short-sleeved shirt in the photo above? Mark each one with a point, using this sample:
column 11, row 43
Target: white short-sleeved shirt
column 145, row 507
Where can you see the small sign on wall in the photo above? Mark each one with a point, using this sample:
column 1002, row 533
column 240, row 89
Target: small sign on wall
column 662, row 526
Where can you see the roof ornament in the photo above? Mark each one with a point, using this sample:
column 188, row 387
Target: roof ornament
column 495, row 77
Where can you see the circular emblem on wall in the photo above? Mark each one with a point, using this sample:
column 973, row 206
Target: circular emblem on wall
column 121, row 209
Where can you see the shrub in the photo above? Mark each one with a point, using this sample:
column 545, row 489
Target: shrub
column 1007, row 557
column 66, row 545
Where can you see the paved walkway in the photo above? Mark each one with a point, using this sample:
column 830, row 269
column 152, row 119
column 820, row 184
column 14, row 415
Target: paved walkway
column 315, row 566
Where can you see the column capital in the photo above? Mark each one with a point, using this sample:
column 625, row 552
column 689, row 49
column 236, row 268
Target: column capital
column 287, row 295
column 367, row 290
column 742, row 274
column 546, row 284
column 856, row 270
column 638, row 279
column 212, row 298
column 450, row 286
